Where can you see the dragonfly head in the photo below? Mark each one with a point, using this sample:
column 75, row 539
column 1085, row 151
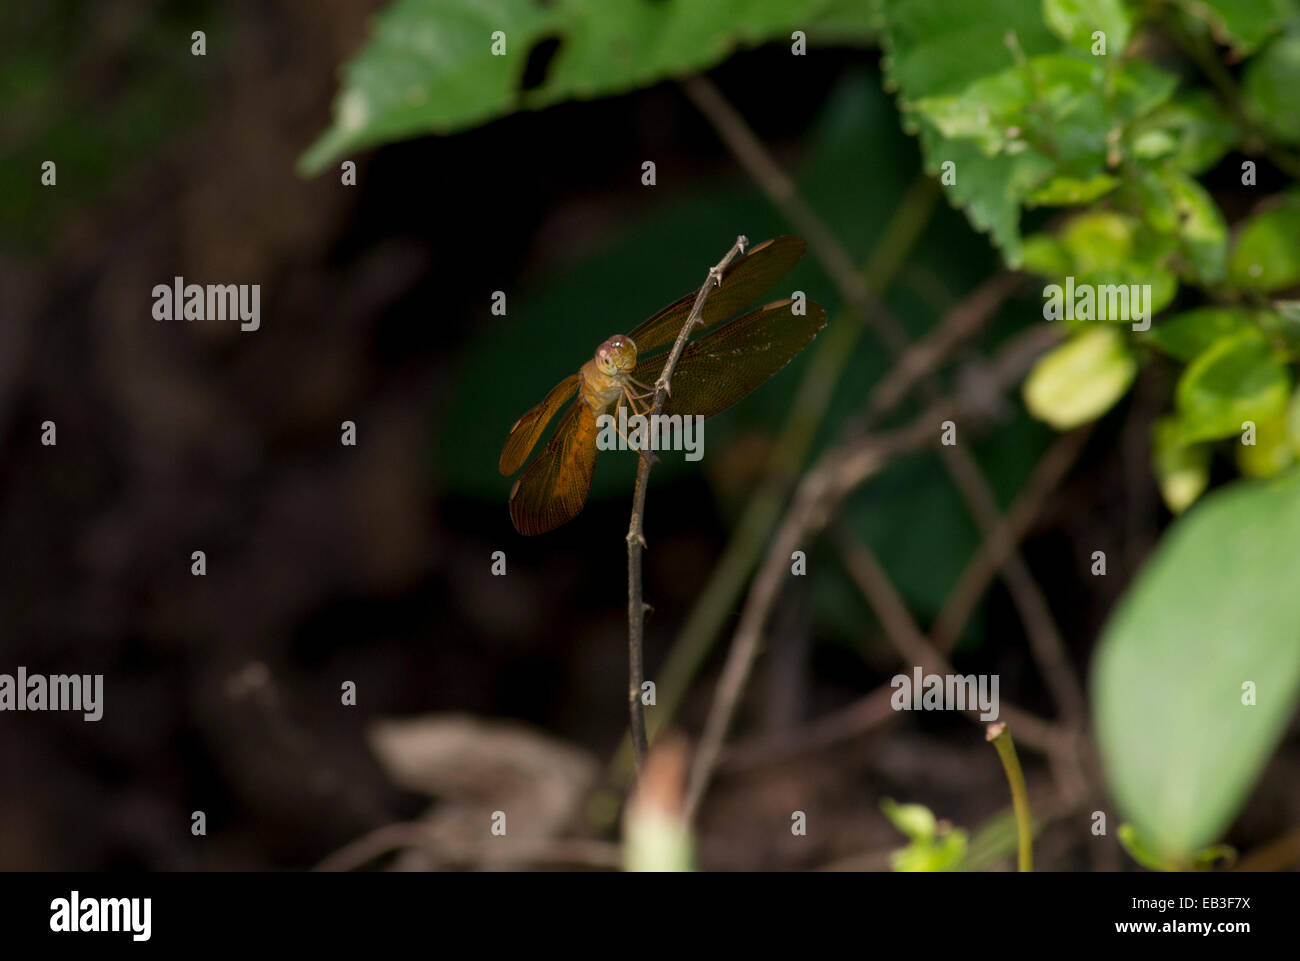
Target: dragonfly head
column 616, row 355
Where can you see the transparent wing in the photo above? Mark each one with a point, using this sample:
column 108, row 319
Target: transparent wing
column 554, row 487
column 529, row 428
column 748, row 278
column 728, row 363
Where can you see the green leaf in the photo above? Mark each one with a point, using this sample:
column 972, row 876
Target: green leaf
column 1271, row 453
column 1192, row 332
column 1047, row 256
column 429, row 67
column 1075, row 20
column 1063, row 191
column 1182, row 470
column 1214, row 608
column 1269, row 87
column 1078, row 381
column 1204, row 233
column 1236, row 380
column 936, row 48
column 916, row 821
column 1266, row 256
column 936, row 845
column 1192, row 132
column 1240, row 24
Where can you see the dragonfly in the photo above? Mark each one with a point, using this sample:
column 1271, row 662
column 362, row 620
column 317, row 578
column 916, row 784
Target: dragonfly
column 720, row 367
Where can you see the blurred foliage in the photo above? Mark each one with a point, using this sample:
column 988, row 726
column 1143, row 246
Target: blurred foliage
column 92, row 106
column 1214, row 609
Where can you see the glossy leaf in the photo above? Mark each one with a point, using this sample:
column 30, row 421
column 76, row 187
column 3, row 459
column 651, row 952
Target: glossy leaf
column 1269, row 88
column 1081, row 379
column 1192, row 332
column 1266, row 255
column 1235, row 381
column 1182, row 470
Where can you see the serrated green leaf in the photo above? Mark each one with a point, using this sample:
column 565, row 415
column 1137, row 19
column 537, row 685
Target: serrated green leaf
column 1214, row 609
column 1266, row 255
column 1192, row 332
column 1079, row 380
column 429, row 67
column 1234, row 381
column 937, row 48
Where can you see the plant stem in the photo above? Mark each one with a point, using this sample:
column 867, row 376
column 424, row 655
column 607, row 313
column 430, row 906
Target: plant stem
column 636, row 606
column 1000, row 738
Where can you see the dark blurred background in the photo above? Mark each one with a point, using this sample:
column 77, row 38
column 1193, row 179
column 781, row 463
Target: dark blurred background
column 372, row 563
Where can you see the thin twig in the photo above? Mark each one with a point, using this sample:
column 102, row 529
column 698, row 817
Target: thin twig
column 1015, row 523
column 912, row 645
column 636, row 606
column 1000, row 738
column 873, row 709
column 836, row 474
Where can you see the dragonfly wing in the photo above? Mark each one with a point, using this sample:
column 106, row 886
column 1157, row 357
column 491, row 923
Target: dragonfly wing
column 744, row 281
column 529, row 428
column 728, row 363
column 554, row 487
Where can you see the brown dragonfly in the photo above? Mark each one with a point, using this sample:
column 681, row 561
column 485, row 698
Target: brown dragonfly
column 724, row 365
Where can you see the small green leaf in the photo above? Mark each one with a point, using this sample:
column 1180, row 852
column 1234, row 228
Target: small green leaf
column 1100, row 239
column 944, row 853
column 1046, row 256
column 1074, row 21
column 914, row 820
column 1269, row 87
column 1271, row 452
column 1235, row 380
column 1192, row 132
column 1080, row 380
column 1198, row 670
column 935, row 845
column 1241, row 24
column 1192, row 332
column 1182, row 470
column 1203, row 232
column 1063, row 190
column 1266, row 256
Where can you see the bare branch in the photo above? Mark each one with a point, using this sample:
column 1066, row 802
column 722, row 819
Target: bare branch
column 635, row 532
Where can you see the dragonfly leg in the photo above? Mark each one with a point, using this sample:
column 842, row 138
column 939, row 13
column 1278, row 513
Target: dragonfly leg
column 631, row 402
